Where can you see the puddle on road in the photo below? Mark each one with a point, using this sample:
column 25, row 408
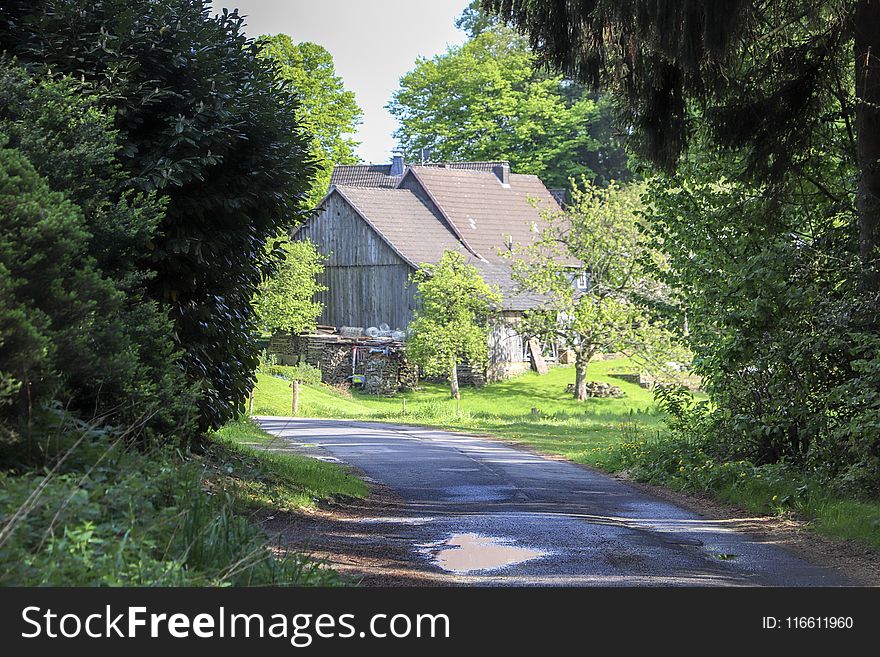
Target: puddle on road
column 391, row 520
column 464, row 553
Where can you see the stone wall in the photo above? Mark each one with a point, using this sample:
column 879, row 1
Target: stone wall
column 502, row 371
column 641, row 380
column 285, row 348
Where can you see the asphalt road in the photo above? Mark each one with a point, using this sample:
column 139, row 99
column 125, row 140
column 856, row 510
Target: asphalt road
column 482, row 512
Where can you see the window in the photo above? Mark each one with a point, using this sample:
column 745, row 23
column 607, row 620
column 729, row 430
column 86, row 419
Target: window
column 583, row 281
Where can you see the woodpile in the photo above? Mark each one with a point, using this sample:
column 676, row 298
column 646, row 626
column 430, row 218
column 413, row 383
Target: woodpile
column 382, row 374
column 285, row 348
column 599, row 389
column 335, row 363
column 379, row 360
column 469, row 376
column 408, row 375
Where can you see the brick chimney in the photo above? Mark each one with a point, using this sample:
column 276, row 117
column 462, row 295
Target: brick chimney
column 397, row 164
column 502, row 172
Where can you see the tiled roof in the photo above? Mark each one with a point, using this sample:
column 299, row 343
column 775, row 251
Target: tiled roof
column 485, row 167
column 418, row 235
column 379, row 175
column 364, row 175
column 499, row 275
column 410, row 227
column 466, row 198
column 485, row 212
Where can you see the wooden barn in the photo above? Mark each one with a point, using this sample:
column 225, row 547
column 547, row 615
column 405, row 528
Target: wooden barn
column 377, row 223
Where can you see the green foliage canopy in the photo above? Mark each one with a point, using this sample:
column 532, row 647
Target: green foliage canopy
column 326, row 109
column 285, row 302
column 74, row 324
column 764, row 79
column 451, row 325
column 485, row 100
column 205, row 123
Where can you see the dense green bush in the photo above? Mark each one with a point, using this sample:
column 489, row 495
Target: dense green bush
column 784, row 333
column 205, row 123
column 694, row 456
column 74, row 325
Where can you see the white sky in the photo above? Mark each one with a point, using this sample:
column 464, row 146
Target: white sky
column 373, row 43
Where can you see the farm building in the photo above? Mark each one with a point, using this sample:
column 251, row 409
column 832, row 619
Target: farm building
column 377, row 223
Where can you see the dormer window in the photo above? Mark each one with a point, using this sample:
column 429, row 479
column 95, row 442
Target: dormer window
column 582, row 282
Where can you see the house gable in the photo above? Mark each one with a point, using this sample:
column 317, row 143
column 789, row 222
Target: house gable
column 366, row 278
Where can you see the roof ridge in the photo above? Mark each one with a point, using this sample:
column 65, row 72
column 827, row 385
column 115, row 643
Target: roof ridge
column 450, row 223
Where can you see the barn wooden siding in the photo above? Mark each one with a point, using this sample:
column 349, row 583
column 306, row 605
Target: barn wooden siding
column 506, row 348
column 367, row 280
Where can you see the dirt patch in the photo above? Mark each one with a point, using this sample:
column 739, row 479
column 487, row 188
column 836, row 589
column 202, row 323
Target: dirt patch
column 358, row 539
column 853, row 560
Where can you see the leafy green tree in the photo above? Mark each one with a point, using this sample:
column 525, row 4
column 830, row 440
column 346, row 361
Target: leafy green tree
column 451, row 324
column 589, row 266
column 763, row 78
column 203, row 121
column 285, row 302
column 485, row 100
column 781, row 331
column 327, row 110
column 474, row 20
column 70, row 140
column 763, row 118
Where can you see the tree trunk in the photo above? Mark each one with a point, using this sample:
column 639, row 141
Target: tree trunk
column 867, row 120
column 580, row 378
column 453, row 381
column 295, row 403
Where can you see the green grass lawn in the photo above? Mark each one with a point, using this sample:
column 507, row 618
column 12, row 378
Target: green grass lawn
column 264, row 479
column 537, row 411
column 579, row 431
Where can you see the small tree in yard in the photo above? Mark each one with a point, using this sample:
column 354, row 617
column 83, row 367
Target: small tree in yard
column 452, row 322
column 591, row 264
column 285, row 302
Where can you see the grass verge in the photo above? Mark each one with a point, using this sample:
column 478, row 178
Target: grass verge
column 99, row 514
column 263, row 477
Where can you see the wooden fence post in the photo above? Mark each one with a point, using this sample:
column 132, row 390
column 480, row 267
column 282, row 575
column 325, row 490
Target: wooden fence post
column 295, row 404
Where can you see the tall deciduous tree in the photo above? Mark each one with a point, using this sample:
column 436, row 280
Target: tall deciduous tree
column 590, row 266
column 763, row 77
column 285, row 302
column 326, row 109
column 205, row 123
column 485, row 100
column 451, row 325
